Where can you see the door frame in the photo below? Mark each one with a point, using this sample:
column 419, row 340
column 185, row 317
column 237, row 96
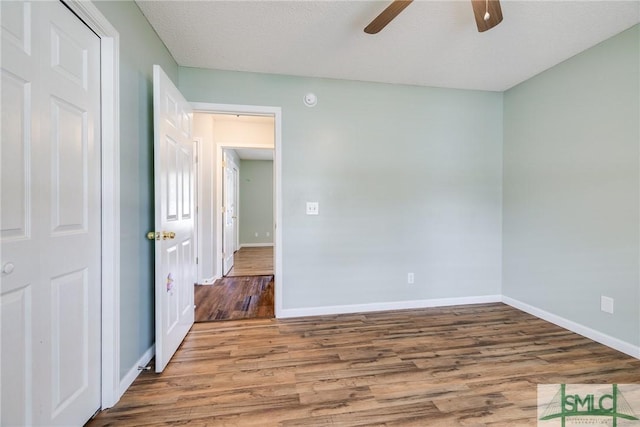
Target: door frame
column 276, row 113
column 87, row 12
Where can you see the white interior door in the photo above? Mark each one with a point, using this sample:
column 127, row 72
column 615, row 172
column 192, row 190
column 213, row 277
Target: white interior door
column 50, row 204
column 175, row 266
column 229, row 217
column 236, row 208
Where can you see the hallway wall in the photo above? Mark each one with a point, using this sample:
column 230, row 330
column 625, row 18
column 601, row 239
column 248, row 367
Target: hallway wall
column 256, row 202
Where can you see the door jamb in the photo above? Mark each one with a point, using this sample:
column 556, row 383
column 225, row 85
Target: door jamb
column 110, row 197
column 276, row 112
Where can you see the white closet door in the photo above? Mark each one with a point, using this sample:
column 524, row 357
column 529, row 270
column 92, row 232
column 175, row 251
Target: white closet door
column 50, row 204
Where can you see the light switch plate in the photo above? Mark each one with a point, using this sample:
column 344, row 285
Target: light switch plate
column 606, row 304
column 312, row 208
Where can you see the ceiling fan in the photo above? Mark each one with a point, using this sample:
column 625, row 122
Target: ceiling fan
column 488, row 14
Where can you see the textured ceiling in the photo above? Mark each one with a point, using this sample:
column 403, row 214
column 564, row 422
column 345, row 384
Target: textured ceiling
column 431, row 43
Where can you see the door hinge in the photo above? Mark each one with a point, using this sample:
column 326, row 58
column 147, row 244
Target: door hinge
column 196, row 260
column 224, row 164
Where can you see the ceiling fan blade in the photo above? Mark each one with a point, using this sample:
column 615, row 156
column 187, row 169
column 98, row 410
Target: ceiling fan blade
column 387, row 16
column 481, row 7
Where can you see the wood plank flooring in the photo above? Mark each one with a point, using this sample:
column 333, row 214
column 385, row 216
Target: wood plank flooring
column 235, row 298
column 453, row 366
column 252, row 262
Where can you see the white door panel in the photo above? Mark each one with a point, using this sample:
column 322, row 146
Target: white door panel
column 16, row 31
column 69, row 168
column 50, row 206
column 16, row 385
column 175, row 267
column 16, row 158
column 229, row 196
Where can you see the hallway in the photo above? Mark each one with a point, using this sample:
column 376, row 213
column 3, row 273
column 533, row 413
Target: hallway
column 256, row 261
column 245, row 293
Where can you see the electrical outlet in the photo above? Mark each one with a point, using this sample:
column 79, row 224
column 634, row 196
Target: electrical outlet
column 410, row 278
column 255, row 234
column 268, row 234
column 606, row 304
column 312, row 208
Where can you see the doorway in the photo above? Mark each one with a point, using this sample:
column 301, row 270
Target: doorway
column 252, row 189
column 237, row 254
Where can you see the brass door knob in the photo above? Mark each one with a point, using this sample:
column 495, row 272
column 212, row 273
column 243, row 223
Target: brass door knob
column 156, row 235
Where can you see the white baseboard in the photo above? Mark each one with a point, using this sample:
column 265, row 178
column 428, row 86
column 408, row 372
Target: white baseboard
column 609, row 341
column 133, row 373
column 385, row 306
column 255, row 245
column 208, row 281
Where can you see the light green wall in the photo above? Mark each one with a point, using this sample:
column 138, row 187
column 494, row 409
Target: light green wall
column 571, row 188
column 256, row 201
column 140, row 48
column 408, row 180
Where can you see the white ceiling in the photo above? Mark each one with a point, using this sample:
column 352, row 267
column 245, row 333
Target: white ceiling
column 431, row 43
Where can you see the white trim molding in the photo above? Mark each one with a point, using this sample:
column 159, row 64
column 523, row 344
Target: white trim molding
column 135, row 370
column 386, row 306
column 255, row 245
column 110, row 118
column 602, row 338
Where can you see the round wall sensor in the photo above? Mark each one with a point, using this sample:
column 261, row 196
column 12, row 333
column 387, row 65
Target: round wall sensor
column 310, row 100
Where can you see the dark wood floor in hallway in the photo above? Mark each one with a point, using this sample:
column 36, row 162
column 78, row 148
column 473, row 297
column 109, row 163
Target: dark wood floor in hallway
column 452, row 366
column 247, row 292
column 232, row 298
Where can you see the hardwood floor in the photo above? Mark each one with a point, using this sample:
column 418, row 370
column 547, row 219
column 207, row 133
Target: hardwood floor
column 235, row 298
column 252, row 262
column 245, row 293
column 453, row 366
